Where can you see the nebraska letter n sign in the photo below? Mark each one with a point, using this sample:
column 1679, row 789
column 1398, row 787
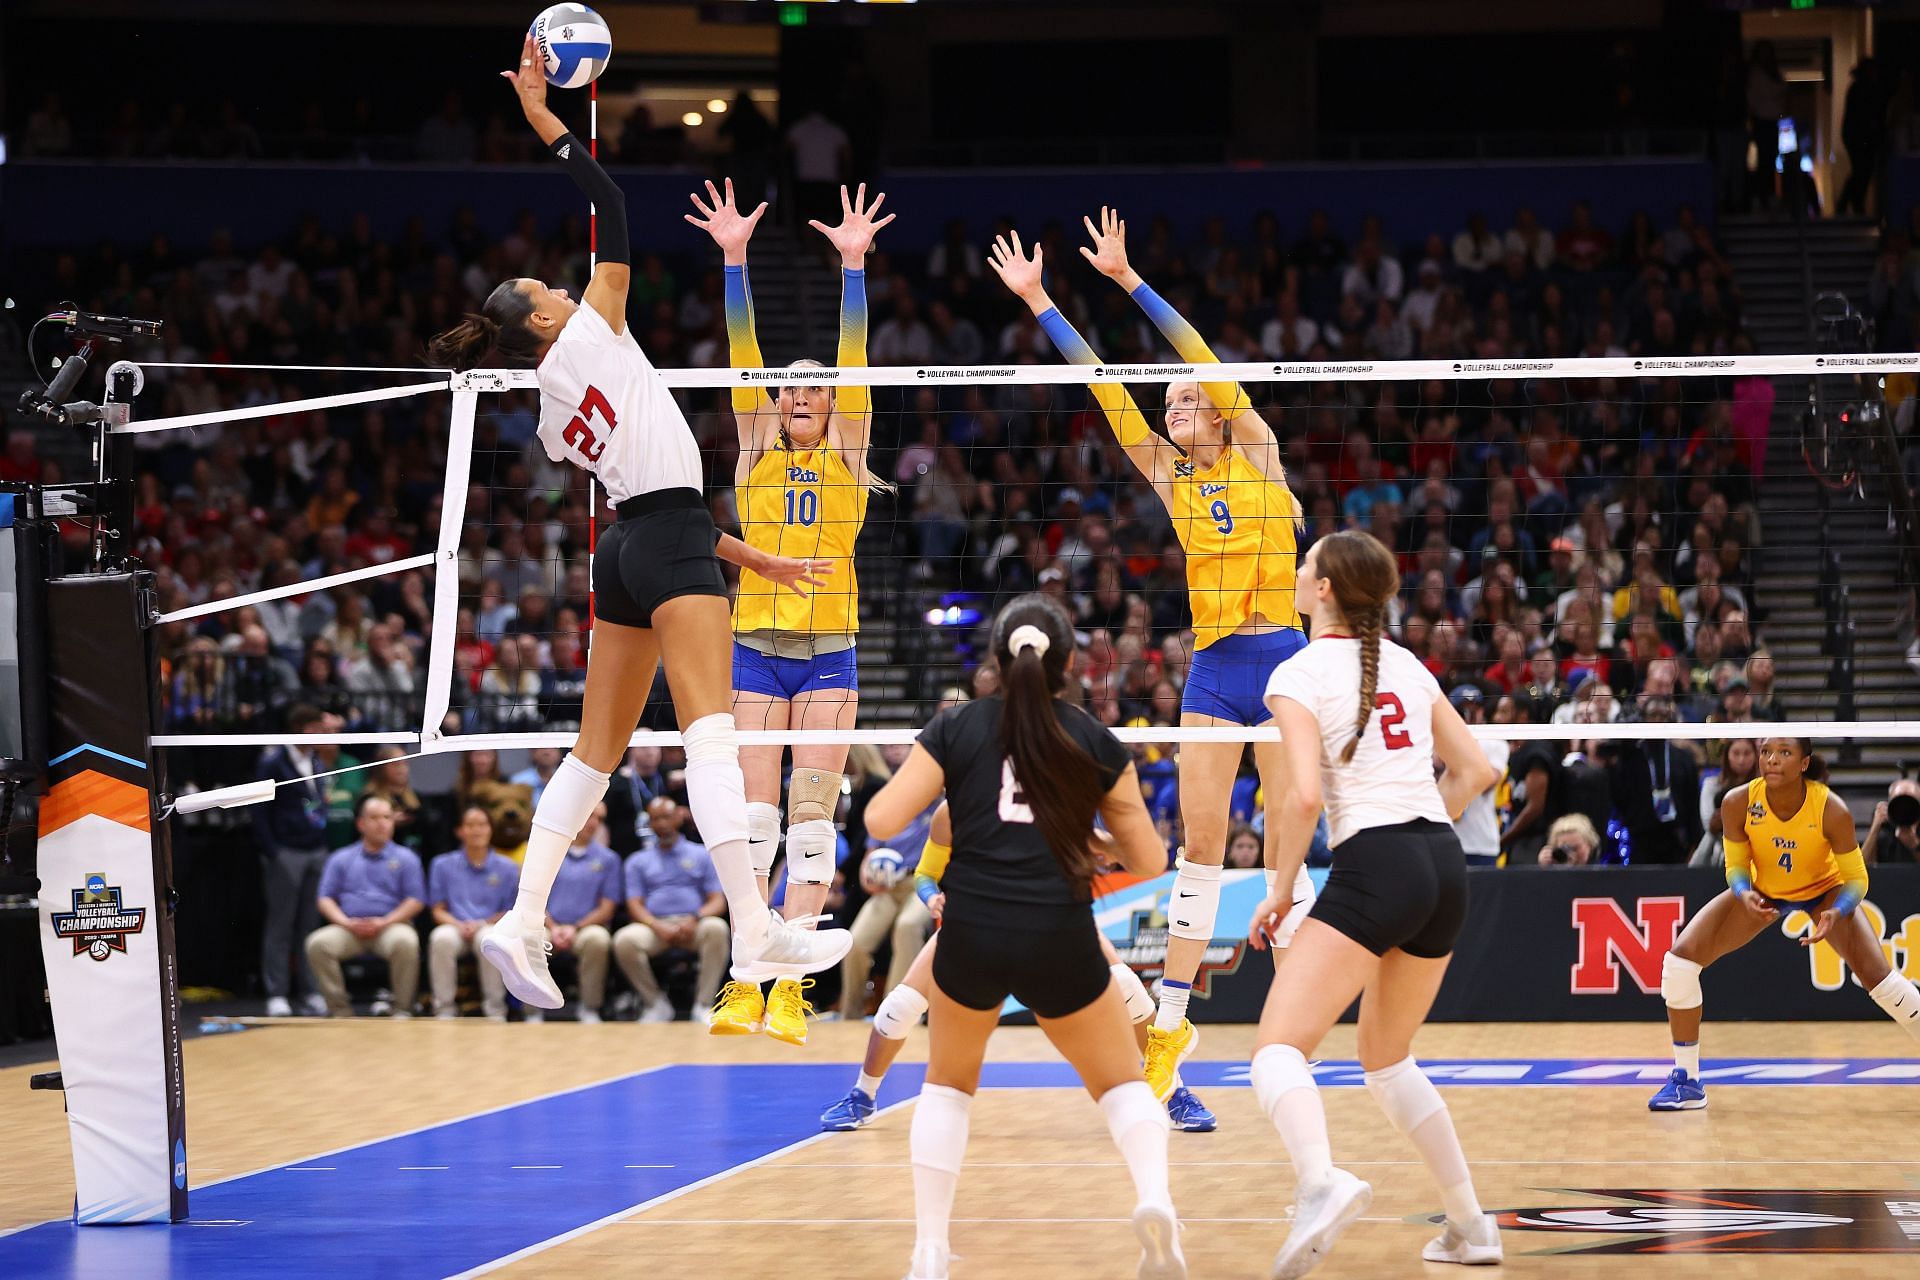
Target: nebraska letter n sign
column 1560, row 944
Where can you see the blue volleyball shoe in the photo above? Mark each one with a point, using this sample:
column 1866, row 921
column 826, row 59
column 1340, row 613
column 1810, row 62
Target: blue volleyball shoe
column 1188, row 1113
column 851, row 1112
column 1681, row 1092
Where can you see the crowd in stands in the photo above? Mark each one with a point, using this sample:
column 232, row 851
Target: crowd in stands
column 1573, row 551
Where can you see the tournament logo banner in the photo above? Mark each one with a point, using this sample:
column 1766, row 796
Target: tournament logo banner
column 1666, row 1223
column 99, row 923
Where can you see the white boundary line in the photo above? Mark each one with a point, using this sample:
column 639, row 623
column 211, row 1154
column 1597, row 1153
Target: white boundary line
column 612, row 1218
column 386, row 1137
column 299, row 588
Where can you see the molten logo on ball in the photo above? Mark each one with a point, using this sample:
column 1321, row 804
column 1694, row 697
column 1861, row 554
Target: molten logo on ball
column 99, row 923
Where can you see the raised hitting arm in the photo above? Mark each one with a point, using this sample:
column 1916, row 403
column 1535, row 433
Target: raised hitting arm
column 607, row 291
column 853, row 237
column 1144, row 448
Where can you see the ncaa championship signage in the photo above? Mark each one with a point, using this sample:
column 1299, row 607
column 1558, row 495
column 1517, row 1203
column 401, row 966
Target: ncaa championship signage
column 1552, row 944
column 106, row 935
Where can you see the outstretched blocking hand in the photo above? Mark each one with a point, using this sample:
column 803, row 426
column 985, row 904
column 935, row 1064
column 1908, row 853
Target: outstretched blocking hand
column 530, row 81
column 1108, row 254
column 721, row 218
column 796, row 575
column 858, row 225
column 1016, row 270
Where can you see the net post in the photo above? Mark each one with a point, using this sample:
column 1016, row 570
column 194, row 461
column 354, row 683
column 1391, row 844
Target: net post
column 446, row 569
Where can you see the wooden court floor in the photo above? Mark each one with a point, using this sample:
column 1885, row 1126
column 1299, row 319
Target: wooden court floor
column 1044, row 1193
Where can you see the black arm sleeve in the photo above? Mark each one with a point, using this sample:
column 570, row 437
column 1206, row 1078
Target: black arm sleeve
column 610, row 203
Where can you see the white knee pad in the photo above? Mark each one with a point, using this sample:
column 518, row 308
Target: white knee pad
column 900, row 1012
column 1194, row 901
column 1405, row 1094
column 1140, row 1005
column 937, row 1139
column 1278, row 1070
column 810, row 850
column 572, row 794
column 1680, row 983
column 715, row 790
column 763, row 835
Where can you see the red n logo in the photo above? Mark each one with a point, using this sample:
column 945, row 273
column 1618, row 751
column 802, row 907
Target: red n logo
column 1609, row 940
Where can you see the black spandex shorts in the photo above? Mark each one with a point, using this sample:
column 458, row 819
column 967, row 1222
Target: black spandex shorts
column 661, row 548
column 1401, row 886
column 1053, row 971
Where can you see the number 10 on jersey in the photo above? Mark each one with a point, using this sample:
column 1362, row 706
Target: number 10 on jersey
column 803, row 506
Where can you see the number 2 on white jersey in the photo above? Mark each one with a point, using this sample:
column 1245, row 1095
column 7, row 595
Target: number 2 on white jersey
column 1013, row 801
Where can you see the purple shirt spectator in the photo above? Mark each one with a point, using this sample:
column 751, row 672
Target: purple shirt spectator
column 368, row 883
column 470, row 892
column 673, row 881
column 587, row 874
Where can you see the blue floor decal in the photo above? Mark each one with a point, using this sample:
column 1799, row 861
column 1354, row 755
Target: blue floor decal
column 464, row 1194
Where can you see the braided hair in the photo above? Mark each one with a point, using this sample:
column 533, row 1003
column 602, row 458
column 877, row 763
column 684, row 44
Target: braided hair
column 1364, row 578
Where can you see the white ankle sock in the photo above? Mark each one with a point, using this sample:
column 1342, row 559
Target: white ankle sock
column 1687, row 1058
column 1897, row 995
column 938, row 1141
column 1291, row 1100
column 869, row 1085
column 1173, row 1005
column 1138, row 1123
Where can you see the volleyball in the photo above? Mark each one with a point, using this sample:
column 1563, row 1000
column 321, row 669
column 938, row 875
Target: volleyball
column 885, row 867
column 574, row 44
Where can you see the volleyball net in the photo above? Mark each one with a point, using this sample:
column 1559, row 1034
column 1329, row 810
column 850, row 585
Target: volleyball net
column 1616, row 548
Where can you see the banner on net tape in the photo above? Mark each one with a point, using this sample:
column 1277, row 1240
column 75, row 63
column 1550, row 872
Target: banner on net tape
column 1249, row 371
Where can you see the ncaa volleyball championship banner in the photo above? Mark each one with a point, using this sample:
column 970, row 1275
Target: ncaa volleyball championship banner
column 105, row 933
column 1549, row 944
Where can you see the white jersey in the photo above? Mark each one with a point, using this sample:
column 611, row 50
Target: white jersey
column 1479, row 826
column 1390, row 779
column 605, row 408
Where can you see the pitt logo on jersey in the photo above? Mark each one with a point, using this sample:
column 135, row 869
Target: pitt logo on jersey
column 802, row 475
column 1781, row 842
column 1208, row 490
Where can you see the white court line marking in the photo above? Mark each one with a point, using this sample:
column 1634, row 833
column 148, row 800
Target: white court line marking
column 309, row 1168
column 421, row 1168
column 1268, row 1164
column 649, row 1166
column 533, row 1166
column 553, row 1241
column 887, row 1222
column 405, row 1133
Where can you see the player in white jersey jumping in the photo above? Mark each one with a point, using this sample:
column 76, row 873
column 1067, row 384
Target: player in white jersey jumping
column 1362, row 723
column 658, row 590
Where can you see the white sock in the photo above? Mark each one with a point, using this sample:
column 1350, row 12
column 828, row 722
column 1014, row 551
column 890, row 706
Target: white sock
column 1897, row 995
column 1138, row 1123
column 869, row 1085
column 1173, row 1005
column 1416, row 1109
column 1687, row 1058
column 1291, row 1100
column 570, row 798
column 938, row 1141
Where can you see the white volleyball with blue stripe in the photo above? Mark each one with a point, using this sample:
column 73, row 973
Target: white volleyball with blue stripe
column 886, row 868
column 574, row 43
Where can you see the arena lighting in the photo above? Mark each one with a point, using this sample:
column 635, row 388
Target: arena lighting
column 693, row 119
column 717, row 105
column 953, row 615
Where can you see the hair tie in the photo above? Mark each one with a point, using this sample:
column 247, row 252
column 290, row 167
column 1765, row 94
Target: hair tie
column 1028, row 637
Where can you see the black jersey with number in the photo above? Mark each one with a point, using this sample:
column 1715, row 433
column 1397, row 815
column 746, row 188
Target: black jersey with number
column 1002, row 870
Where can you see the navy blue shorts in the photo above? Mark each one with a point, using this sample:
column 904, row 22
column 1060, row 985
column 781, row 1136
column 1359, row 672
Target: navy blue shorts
column 1228, row 679
column 788, row 678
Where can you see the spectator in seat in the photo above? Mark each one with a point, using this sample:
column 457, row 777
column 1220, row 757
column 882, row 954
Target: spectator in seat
column 1538, row 799
column 1584, row 246
column 369, row 894
column 1895, row 833
column 1289, row 335
column 585, row 893
column 468, row 888
column 1585, row 786
column 1759, row 673
column 263, row 681
column 1530, row 240
column 1479, row 826
column 673, row 894
column 1656, row 789
column 291, row 830
column 1736, row 703
column 447, row 137
column 891, row 911
column 1571, row 842
column 1477, row 250
column 1740, row 765
column 1543, row 688
column 903, row 338
column 1373, row 276
column 1513, row 671
column 392, row 778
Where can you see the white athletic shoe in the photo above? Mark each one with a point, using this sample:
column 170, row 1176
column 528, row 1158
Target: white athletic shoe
column 929, row 1262
column 520, row 954
column 588, row 1016
column 1476, row 1245
column 1320, row 1213
column 660, row 1010
column 788, row 950
column 314, row 1006
column 1159, row 1234
column 277, row 1007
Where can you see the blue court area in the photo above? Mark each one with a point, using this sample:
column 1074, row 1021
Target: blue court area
column 474, row 1192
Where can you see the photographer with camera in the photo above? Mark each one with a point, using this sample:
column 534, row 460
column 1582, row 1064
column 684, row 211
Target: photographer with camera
column 1895, row 833
column 1572, row 842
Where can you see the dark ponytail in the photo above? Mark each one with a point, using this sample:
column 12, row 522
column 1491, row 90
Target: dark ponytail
column 1365, row 577
column 1816, row 765
column 1061, row 782
column 501, row 331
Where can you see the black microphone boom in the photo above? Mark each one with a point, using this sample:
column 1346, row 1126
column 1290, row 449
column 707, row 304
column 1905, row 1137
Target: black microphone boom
column 109, row 326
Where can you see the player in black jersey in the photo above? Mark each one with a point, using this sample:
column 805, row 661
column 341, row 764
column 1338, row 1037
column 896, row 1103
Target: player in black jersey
column 1025, row 775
